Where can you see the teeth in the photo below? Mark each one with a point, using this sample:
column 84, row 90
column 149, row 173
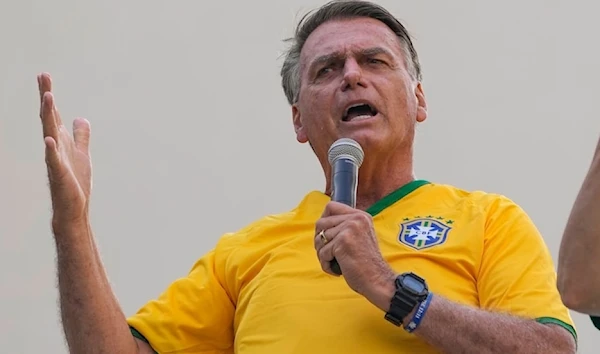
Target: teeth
column 361, row 117
column 354, row 105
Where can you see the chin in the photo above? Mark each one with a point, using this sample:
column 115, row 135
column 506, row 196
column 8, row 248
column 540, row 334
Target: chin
column 379, row 142
column 366, row 135
column 367, row 139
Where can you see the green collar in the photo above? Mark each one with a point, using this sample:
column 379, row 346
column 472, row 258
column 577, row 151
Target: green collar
column 395, row 196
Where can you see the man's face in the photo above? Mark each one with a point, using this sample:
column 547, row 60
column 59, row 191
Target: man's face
column 355, row 84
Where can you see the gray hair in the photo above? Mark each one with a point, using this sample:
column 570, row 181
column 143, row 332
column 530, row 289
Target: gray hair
column 341, row 9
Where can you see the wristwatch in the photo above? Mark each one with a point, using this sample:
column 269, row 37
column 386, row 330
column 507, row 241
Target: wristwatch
column 411, row 290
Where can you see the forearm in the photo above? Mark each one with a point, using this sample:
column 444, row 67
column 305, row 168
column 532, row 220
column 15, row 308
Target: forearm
column 92, row 318
column 454, row 328
column 578, row 261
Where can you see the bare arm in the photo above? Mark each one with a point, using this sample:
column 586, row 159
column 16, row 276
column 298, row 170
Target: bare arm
column 579, row 255
column 92, row 319
column 455, row 328
column 448, row 326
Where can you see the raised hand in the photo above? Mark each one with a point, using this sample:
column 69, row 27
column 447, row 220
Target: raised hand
column 67, row 159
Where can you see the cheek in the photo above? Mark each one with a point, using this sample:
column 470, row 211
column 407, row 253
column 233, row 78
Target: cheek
column 316, row 109
column 404, row 103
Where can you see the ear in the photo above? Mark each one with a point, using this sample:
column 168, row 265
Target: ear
column 298, row 127
column 421, row 103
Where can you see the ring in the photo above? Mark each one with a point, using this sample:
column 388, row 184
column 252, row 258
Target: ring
column 322, row 236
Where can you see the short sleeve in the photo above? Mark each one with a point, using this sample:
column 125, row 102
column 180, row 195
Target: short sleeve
column 193, row 315
column 517, row 272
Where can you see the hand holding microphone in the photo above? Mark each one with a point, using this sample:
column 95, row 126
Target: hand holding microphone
column 345, row 238
column 345, row 157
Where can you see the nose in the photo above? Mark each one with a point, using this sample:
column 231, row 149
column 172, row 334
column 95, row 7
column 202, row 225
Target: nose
column 352, row 75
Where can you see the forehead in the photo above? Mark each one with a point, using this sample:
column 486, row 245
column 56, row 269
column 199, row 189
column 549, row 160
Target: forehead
column 349, row 35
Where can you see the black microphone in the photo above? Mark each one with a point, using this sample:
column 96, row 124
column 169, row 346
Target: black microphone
column 345, row 158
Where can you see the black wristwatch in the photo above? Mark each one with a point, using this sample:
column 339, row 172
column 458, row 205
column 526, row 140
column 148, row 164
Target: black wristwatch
column 411, row 290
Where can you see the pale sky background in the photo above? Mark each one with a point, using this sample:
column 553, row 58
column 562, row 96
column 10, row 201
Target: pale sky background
column 192, row 135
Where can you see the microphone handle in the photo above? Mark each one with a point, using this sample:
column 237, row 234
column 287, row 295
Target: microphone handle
column 344, row 184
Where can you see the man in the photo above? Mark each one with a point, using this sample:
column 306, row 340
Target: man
column 578, row 258
column 426, row 267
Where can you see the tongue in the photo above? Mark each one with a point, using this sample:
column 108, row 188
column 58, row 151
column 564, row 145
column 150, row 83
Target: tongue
column 359, row 111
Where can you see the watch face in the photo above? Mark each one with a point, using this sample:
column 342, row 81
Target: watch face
column 413, row 284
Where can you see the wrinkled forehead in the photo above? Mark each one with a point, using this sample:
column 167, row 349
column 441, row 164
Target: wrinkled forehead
column 348, row 37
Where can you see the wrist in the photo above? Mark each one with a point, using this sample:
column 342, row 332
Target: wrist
column 406, row 320
column 382, row 291
column 70, row 226
column 413, row 320
column 409, row 294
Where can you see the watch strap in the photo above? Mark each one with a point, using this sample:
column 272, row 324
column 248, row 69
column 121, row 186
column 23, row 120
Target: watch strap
column 401, row 305
column 403, row 302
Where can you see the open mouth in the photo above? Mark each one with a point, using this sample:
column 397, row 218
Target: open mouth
column 359, row 111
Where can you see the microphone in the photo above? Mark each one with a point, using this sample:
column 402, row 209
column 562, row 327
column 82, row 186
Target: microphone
column 345, row 158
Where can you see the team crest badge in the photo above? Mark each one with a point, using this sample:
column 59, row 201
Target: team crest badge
column 421, row 233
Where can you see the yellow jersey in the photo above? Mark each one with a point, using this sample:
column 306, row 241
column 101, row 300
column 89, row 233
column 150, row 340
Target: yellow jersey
column 261, row 289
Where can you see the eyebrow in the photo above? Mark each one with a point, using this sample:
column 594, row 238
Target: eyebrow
column 368, row 52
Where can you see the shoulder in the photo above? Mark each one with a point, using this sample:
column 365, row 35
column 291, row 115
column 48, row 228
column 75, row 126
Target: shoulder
column 273, row 227
column 496, row 213
column 490, row 203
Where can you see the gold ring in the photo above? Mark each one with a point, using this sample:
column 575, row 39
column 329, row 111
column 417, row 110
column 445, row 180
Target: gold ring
column 322, row 235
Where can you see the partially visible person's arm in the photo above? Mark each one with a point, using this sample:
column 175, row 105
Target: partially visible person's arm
column 579, row 255
column 92, row 319
column 91, row 316
column 194, row 314
column 520, row 310
column 455, row 328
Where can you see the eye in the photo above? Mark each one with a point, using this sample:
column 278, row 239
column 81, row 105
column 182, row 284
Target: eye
column 375, row 61
column 323, row 71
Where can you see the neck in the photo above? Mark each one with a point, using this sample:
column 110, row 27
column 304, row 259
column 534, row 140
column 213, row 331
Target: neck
column 379, row 177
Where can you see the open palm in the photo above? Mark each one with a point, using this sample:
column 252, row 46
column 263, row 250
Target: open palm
column 67, row 158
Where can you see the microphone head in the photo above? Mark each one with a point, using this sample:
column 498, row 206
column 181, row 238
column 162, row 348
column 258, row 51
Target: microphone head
column 346, row 148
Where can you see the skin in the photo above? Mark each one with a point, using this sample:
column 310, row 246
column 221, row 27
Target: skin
column 329, row 87
column 578, row 259
column 91, row 316
column 92, row 319
column 387, row 140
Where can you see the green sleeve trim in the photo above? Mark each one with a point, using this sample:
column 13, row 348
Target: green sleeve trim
column 595, row 321
column 141, row 337
column 555, row 321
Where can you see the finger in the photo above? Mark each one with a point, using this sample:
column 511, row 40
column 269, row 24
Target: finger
column 329, row 233
column 44, row 84
column 52, row 157
column 329, row 222
column 49, row 127
column 336, row 208
column 325, row 255
column 319, row 242
column 81, row 134
column 57, row 118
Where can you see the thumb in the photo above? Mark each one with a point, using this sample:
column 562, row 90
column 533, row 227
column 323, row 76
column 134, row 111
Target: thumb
column 81, row 134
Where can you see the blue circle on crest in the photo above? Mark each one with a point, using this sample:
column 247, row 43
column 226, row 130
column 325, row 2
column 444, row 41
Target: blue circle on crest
column 423, row 233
